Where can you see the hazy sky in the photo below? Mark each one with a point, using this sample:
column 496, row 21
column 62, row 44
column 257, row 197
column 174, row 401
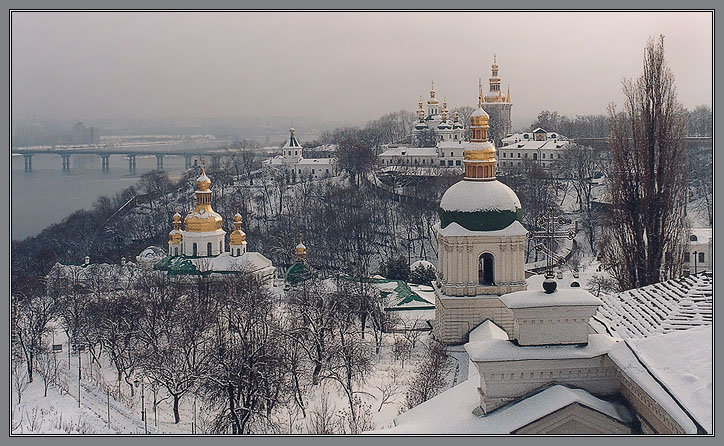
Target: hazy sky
column 339, row 66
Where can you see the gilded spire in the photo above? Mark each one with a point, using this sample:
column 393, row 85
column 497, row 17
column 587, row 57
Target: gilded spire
column 507, row 98
column 480, row 93
column 300, row 250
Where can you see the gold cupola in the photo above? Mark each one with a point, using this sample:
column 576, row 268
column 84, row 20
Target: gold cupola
column 237, row 236
column 176, row 236
column 420, row 111
column 480, row 160
column 445, row 111
column 203, row 218
column 300, row 250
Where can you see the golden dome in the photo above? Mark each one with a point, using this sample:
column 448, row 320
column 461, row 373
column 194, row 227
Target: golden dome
column 175, row 236
column 301, row 250
column 203, row 183
column 486, row 153
column 203, row 218
column 479, row 118
column 237, row 236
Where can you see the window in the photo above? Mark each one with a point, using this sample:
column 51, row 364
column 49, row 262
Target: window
column 693, row 238
column 559, row 156
column 450, row 162
column 208, row 249
column 526, row 154
column 451, row 154
column 326, row 170
column 485, row 269
column 518, row 154
column 221, row 247
column 503, row 154
column 544, row 156
column 457, row 162
column 701, row 257
column 238, row 251
column 535, row 156
column 195, row 250
column 442, row 162
column 312, row 170
column 686, row 257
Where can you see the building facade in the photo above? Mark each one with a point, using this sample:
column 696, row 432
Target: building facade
column 292, row 161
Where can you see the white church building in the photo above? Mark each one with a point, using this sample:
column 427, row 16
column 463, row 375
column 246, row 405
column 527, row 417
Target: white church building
column 293, row 161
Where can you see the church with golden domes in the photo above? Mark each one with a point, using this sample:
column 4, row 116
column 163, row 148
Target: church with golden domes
column 200, row 247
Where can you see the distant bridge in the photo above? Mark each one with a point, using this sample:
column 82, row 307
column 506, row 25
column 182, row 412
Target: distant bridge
column 598, row 141
column 131, row 152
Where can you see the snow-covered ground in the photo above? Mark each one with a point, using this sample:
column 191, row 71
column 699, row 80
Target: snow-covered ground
column 59, row 412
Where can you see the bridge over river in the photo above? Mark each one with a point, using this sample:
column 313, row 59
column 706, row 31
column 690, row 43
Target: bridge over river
column 216, row 151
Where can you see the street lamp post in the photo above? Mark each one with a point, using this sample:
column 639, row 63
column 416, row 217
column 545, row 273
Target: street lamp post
column 695, row 255
column 143, row 403
column 79, row 376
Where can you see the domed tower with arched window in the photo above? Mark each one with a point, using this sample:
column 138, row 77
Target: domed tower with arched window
column 480, row 243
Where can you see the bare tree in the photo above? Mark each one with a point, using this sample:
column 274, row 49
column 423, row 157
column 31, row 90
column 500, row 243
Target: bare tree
column 430, row 376
column 647, row 184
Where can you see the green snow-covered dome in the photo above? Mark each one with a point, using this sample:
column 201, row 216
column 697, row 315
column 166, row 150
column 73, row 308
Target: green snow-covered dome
column 479, row 206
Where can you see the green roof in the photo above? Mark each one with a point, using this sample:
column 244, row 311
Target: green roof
column 298, row 272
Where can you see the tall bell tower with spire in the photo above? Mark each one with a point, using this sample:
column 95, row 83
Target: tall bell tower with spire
column 498, row 105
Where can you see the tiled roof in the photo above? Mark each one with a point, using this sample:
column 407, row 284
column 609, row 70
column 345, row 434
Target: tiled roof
column 660, row 308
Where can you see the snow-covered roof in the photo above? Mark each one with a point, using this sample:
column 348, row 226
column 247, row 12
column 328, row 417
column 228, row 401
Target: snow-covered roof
column 629, row 364
column 316, row 161
column 479, row 112
column 539, row 298
column 460, row 144
column 530, row 144
column 410, row 151
column 663, row 307
column 292, row 143
column 682, row 361
column 454, row 229
column 486, row 331
column 479, row 196
column 504, row 350
column 251, row 261
column 451, row 412
column 421, row 263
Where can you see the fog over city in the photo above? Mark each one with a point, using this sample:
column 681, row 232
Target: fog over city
column 336, row 66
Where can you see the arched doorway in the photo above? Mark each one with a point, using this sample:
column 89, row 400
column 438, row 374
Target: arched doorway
column 486, row 269
column 195, row 250
column 208, row 249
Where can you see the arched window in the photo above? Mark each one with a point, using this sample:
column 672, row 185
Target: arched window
column 693, row 238
column 175, row 251
column 485, row 269
column 208, row 249
column 195, row 250
column 238, row 251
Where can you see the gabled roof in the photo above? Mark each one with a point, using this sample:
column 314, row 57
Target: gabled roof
column 663, row 307
column 451, row 412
